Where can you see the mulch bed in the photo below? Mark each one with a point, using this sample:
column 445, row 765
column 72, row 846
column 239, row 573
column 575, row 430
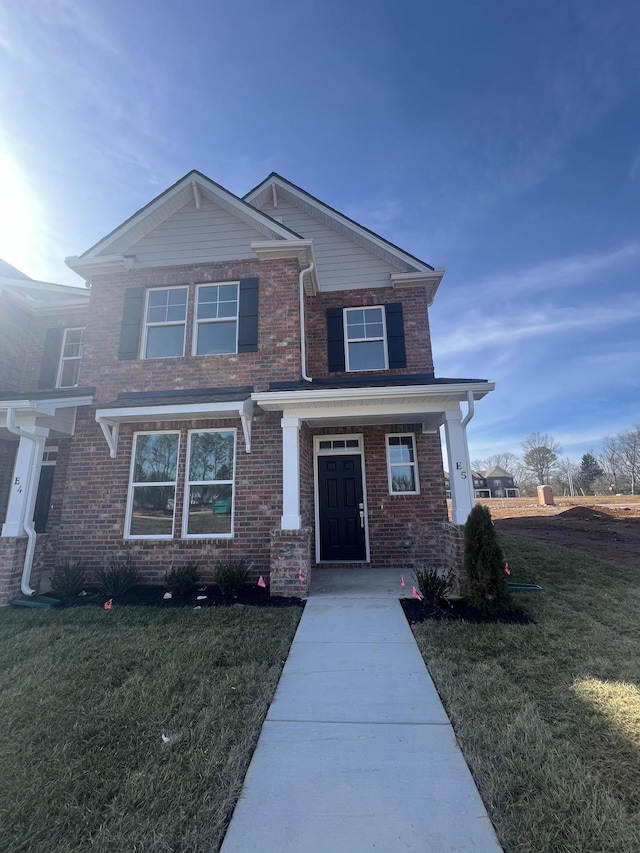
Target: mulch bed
column 205, row 596
column 459, row 611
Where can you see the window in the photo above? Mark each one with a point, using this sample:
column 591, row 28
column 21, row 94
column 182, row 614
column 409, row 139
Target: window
column 165, row 322
column 365, row 339
column 216, row 327
column 70, row 357
column 208, row 506
column 401, row 465
column 152, row 493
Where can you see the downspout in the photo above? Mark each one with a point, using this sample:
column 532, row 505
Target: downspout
column 303, row 346
column 470, row 410
column 27, row 522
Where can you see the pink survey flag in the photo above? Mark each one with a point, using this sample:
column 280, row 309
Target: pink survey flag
column 507, row 569
column 401, row 580
column 261, row 581
column 108, row 604
column 300, row 577
column 416, row 594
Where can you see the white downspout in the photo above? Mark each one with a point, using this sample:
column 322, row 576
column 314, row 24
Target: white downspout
column 303, row 346
column 27, row 523
column 470, row 410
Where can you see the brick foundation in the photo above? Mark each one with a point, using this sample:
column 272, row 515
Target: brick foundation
column 452, row 550
column 12, row 553
column 290, row 556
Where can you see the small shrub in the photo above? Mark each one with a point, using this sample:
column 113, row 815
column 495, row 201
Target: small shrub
column 117, row 578
column 484, row 564
column 182, row 580
column 231, row 576
column 67, row 580
column 434, row 586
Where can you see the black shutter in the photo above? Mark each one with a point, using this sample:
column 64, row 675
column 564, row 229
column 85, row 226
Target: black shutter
column 248, row 315
column 395, row 336
column 335, row 340
column 50, row 358
column 130, row 328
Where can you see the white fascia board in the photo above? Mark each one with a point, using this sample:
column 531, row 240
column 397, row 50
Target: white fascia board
column 363, row 233
column 440, row 394
column 109, row 419
column 430, row 281
column 48, row 406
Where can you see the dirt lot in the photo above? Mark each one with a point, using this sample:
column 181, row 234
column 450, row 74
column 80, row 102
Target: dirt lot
column 603, row 527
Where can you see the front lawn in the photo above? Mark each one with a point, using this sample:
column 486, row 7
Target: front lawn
column 86, row 697
column 548, row 714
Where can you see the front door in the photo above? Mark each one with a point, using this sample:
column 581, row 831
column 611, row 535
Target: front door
column 43, row 498
column 341, row 508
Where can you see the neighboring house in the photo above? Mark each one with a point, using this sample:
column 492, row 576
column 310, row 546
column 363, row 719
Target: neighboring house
column 494, row 483
column 256, row 380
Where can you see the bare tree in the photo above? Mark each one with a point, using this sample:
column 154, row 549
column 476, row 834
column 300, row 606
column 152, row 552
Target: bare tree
column 629, row 455
column 609, row 459
column 541, row 455
column 505, row 460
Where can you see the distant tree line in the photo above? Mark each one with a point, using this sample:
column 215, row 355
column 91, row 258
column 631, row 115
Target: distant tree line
column 614, row 469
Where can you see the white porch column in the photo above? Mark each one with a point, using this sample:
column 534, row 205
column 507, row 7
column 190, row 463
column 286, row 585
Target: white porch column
column 460, row 478
column 26, row 473
column 290, row 474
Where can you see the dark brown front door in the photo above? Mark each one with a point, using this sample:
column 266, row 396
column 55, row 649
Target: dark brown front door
column 43, row 498
column 341, row 509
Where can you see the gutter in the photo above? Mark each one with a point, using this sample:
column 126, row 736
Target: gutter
column 27, row 522
column 303, row 346
column 470, row 410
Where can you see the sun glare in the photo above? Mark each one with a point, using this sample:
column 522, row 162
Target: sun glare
column 618, row 701
column 19, row 216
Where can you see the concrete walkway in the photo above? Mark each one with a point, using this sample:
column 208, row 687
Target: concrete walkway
column 357, row 753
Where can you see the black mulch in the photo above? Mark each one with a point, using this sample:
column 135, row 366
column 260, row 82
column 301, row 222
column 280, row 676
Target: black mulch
column 205, row 596
column 459, row 611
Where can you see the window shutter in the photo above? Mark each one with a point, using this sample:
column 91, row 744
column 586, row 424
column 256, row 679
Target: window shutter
column 130, row 328
column 50, row 358
column 248, row 315
column 335, row 340
column 395, row 336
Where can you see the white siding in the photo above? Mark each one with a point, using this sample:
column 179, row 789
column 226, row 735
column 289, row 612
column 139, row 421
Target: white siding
column 190, row 235
column 342, row 264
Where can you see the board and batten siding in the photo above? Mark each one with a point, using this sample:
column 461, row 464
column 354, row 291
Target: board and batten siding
column 342, row 264
column 190, row 235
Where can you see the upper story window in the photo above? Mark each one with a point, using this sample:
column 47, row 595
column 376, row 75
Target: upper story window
column 165, row 322
column 365, row 339
column 402, row 467
column 216, row 326
column 70, row 358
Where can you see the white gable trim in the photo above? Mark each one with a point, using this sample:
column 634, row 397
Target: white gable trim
column 110, row 253
column 404, row 262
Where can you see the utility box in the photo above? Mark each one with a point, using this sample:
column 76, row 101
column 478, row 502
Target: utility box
column 545, row 496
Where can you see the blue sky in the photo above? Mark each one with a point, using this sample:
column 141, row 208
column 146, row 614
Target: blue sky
column 500, row 140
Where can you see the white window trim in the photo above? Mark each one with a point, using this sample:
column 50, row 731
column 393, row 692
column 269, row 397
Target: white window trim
column 188, row 483
column 348, row 340
column 210, row 321
column 147, row 325
column 64, row 358
column 414, row 464
column 132, row 485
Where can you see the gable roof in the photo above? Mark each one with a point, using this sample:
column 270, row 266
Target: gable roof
column 349, row 227
column 111, row 250
column 496, row 471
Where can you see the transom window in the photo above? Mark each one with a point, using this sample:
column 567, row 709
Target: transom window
column 165, row 322
column 365, row 339
column 216, row 327
column 152, row 492
column 70, row 358
column 208, row 509
column 402, row 467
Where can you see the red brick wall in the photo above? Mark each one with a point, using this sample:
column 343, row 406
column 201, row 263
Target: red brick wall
column 95, row 498
column 416, row 326
column 277, row 358
column 35, row 331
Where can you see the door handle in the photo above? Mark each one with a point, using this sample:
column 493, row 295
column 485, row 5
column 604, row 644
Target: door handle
column 361, row 518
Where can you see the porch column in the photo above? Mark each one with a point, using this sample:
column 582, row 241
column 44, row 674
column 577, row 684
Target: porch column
column 460, row 478
column 291, row 519
column 24, row 481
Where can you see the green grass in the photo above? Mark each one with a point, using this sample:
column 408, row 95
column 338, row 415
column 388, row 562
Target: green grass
column 548, row 715
column 85, row 697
